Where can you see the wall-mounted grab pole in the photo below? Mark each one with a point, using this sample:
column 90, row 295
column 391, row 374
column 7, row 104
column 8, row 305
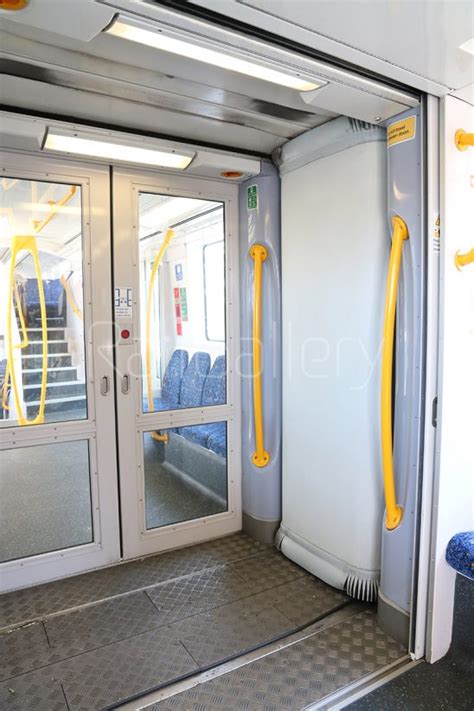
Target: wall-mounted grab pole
column 394, row 511
column 463, row 140
column 149, row 304
column 27, row 243
column 72, row 302
column 260, row 457
column 462, row 260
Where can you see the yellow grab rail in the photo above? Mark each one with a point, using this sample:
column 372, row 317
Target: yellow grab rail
column 394, row 511
column 54, row 209
column 260, row 457
column 72, row 302
column 28, row 243
column 24, row 344
column 149, row 388
column 462, row 260
column 463, row 140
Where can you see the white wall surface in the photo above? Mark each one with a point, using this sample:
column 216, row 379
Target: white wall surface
column 453, row 506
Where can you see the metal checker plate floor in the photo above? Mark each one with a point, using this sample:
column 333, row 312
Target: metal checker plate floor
column 298, row 675
column 92, row 641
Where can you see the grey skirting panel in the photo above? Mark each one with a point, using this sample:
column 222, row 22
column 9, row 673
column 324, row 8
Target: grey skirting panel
column 189, row 610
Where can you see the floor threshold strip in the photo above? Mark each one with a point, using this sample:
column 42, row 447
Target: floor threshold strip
column 169, row 690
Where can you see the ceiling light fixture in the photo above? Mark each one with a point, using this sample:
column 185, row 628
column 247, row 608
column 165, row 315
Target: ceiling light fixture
column 468, row 46
column 112, row 148
column 289, row 77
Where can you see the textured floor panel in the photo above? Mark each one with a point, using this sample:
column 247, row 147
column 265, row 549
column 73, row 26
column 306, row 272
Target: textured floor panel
column 42, row 600
column 20, row 648
column 297, row 675
column 108, row 675
column 38, row 691
column 105, row 652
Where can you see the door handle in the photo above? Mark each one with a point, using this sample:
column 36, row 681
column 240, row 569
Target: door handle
column 104, row 385
column 125, row 385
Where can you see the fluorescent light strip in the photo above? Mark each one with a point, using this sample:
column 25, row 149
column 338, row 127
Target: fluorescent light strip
column 158, row 40
column 468, row 46
column 64, row 143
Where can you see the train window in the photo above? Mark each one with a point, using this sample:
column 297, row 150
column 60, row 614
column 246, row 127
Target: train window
column 42, row 353
column 214, row 275
column 182, row 302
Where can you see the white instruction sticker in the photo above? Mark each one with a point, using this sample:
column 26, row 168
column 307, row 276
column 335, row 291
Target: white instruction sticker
column 123, row 302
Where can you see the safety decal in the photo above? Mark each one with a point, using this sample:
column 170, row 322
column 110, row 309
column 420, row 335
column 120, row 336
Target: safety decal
column 123, row 302
column 252, row 197
column 401, row 131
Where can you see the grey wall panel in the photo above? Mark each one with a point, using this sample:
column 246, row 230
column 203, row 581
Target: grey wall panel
column 262, row 486
column 405, row 199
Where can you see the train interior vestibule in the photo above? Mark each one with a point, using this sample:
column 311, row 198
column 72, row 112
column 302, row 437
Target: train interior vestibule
column 215, row 304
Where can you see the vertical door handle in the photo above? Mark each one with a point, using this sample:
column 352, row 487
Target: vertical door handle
column 104, row 385
column 125, row 384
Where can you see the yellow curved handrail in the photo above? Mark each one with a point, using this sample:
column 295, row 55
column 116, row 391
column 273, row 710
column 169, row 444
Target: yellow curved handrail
column 394, row 512
column 24, row 344
column 54, row 209
column 28, row 243
column 72, row 302
column 463, row 140
column 149, row 388
column 462, row 260
column 260, row 457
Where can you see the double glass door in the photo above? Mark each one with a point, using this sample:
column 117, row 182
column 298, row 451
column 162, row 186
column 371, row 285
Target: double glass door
column 117, row 412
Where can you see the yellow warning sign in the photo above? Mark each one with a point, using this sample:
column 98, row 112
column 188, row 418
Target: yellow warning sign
column 401, row 131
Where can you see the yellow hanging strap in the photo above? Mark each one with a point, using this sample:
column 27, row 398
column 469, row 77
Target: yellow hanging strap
column 27, row 243
column 394, row 511
column 260, row 457
column 72, row 302
column 149, row 351
column 54, row 208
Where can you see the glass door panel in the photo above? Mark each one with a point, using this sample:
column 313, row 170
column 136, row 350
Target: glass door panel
column 185, row 473
column 46, row 502
column 182, row 297
column 42, row 355
column 176, row 249
column 58, row 477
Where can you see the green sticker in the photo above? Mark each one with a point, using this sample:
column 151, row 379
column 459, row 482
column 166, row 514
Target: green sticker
column 252, row 197
column 184, row 303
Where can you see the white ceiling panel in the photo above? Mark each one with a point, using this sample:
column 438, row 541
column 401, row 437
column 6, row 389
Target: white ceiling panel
column 398, row 38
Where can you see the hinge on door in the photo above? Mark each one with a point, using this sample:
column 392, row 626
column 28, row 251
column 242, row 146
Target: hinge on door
column 434, row 412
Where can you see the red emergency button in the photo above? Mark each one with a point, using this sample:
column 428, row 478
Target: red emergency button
column 125, row 333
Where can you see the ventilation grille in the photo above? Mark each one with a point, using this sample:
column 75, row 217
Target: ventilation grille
column 361, row 588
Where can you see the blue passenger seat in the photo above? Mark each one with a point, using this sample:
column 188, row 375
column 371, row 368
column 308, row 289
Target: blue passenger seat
column 194, row 377
column 172, row 380
column 214, row 393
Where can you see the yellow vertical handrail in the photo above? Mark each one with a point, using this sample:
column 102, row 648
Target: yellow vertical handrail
column 148, row 353
column 394, row 512
column 72, row 302
column 24, row 334
column 27, row 243
column 260, row 457
column 23, row 344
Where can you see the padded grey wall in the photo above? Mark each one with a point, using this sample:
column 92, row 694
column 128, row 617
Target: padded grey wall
column 261, row 486
column 405, row 198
